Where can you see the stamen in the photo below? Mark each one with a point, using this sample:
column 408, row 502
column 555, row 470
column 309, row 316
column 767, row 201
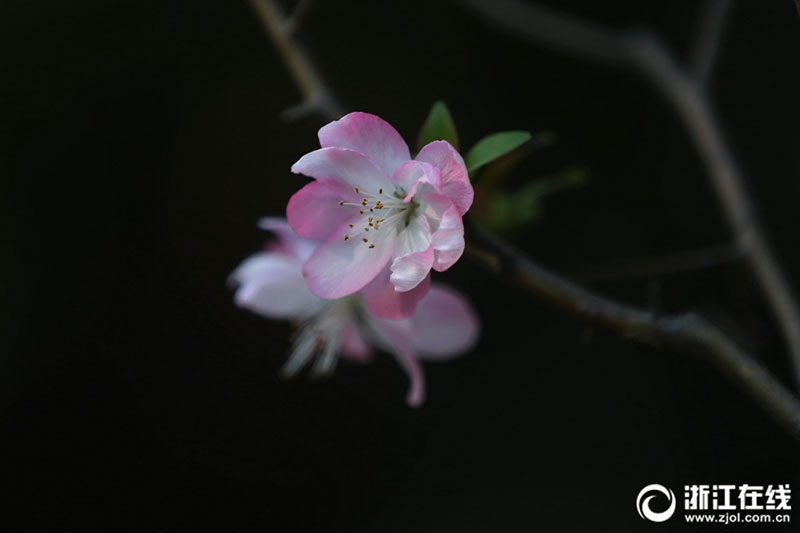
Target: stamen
column 371, row 246
column 355, row 189
column 350, row 225
column 346, row 237
column 380, row 191
column 361, row 211
column 341, row 202
column 365, row 239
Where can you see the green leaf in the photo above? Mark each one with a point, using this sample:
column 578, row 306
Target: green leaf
column 439, row 126
column 494, row 146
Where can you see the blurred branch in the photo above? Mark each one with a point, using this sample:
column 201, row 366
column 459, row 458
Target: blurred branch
column 645, row 53
column 687, row 333
column 707, row 39
column 317, row 98
column 295, row 20
column 654, row 266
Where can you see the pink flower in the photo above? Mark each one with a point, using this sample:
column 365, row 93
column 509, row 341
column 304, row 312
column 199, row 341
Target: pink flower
column 271, row 284
column 384, row 219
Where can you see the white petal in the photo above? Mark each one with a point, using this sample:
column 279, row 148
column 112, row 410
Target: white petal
column 272, row 285
column 345, row 165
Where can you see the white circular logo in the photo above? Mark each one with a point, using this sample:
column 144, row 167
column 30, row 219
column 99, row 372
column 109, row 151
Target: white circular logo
column 643, row 503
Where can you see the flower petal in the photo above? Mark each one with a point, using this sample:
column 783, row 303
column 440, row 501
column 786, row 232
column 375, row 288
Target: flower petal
column 314, row 211
column 354, row 346
column 411, row 269
column 448, row 236
column 339, row 267
column 415, row 396
column 416, row 237
column 412, row 174
column 395, row 341
column 271, row 285
column 413, row 255
column 344, row 165
column 444, row 326
column 455, row 179
column 288, row 241
column 385, row 302
column 370, row 135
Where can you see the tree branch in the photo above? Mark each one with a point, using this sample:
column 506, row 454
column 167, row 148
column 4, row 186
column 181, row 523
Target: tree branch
column 686, row 333
column 644, row 53
column 707, row 39
column 656, row 266
column 317, row 98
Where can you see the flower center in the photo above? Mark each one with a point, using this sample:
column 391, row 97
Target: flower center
column 379, row 210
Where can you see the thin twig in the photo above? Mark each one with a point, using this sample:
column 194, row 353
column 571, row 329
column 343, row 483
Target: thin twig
column 655, row 266
column 687, row 333
column 643, row 52
column 317, row 98
column 707, row 39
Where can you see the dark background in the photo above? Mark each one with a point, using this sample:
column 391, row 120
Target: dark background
column 141, row 141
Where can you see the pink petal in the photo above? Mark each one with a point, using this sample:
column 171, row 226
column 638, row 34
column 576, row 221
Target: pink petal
column 448, row 236
column 398, row 346
column 385, row 302
column 314, row 211
column 347, row 166
column 455, row 179
column 370, row 135
column 288, row 242
column 354, row 346
column 271, row 285
column 339, row 267
column 444, row 326
column 412, row 174
column 415, row 396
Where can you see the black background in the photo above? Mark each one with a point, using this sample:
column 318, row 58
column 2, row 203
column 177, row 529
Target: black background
column 141, row 142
